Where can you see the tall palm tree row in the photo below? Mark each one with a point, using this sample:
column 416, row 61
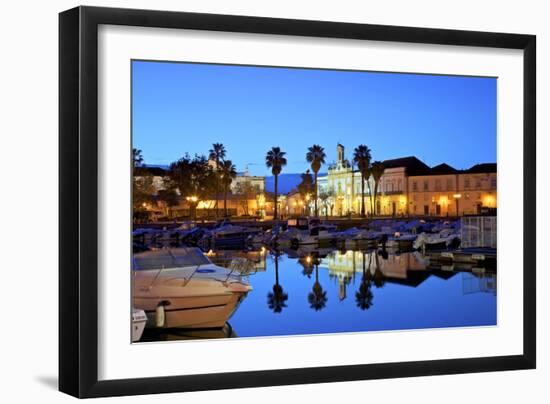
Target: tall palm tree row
column 362, row 156
column 275, row 159
column 228, row 173
column 377, row 170
column 217, row 153
column 316, row 156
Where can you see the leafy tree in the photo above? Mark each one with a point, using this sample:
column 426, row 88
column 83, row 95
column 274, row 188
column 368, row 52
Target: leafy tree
column 142, row 183
column 362, row 156
column 142, row 191
column 194, row 178
column 275, row 159
column 306, row 186
column 169, row 196
column 326, row 198
column 316, row 156
column 246, row 191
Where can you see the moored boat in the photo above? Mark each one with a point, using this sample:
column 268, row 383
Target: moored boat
column 139, row 319
column 182, row 288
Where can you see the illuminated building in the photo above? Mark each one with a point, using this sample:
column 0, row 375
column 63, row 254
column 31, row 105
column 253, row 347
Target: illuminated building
column 408, row 187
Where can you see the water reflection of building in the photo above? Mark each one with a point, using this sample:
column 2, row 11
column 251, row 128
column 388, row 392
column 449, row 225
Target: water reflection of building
column 404, row 269
column 479, row 283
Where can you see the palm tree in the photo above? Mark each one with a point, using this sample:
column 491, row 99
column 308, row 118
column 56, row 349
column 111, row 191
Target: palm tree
column 217, row 153
column 137, row 158
column 362, row 157
column 364, row 296
column 228, row 173
column 316, row 156
column 317, row 298
column 377, row 171
column 275, row 159
column 276, row 300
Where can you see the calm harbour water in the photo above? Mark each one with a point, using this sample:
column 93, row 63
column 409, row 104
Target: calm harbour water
column 324, row 291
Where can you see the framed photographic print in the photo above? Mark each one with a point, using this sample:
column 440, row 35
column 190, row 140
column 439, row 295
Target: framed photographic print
column 250, row 201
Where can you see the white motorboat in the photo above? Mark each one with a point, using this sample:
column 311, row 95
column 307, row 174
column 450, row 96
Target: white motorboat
column 139, row 319
column 182, row 288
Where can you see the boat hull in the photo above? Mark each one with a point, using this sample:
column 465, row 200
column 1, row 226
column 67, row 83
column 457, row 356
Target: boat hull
column 190, row 312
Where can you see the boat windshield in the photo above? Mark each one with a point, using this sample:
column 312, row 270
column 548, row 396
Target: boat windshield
column 169, row 258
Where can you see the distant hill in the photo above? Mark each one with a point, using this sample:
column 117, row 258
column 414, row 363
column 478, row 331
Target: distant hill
column 286, row 182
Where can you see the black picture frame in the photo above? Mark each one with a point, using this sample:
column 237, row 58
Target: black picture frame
column 78, row 201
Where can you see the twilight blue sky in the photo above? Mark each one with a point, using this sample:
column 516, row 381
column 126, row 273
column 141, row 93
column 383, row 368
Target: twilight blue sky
column 181, row 107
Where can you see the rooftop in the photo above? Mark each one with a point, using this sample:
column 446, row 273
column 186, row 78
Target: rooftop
column 482, row 168
column 412, row 164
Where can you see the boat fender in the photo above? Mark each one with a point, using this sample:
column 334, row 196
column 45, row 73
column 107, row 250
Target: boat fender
column 160, row 315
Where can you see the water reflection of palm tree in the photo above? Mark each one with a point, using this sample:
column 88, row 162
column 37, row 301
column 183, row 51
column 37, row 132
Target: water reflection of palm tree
column 364, row 296
column 317, row 298
column 379, row 278
column 276, row 300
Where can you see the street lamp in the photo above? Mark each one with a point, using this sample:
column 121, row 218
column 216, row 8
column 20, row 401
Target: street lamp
column 193, row 199
column 457, row 198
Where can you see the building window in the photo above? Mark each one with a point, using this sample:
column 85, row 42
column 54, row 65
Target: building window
column 478, row 183
column 399, row 185
column 438, row 185
column 467, row 183
column 449, row 184
column 415, row 186
column 493, row 183
column 426, row 186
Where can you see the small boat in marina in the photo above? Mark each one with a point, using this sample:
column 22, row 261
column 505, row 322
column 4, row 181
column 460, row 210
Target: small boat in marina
column 145, row 235
column 139, row 319
column 362, row 238
column 401, row 241
column 267, row 237
column 319, row 234
column 445, row 239
column 228, row 234
column 182, row 288
column 304, row 230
